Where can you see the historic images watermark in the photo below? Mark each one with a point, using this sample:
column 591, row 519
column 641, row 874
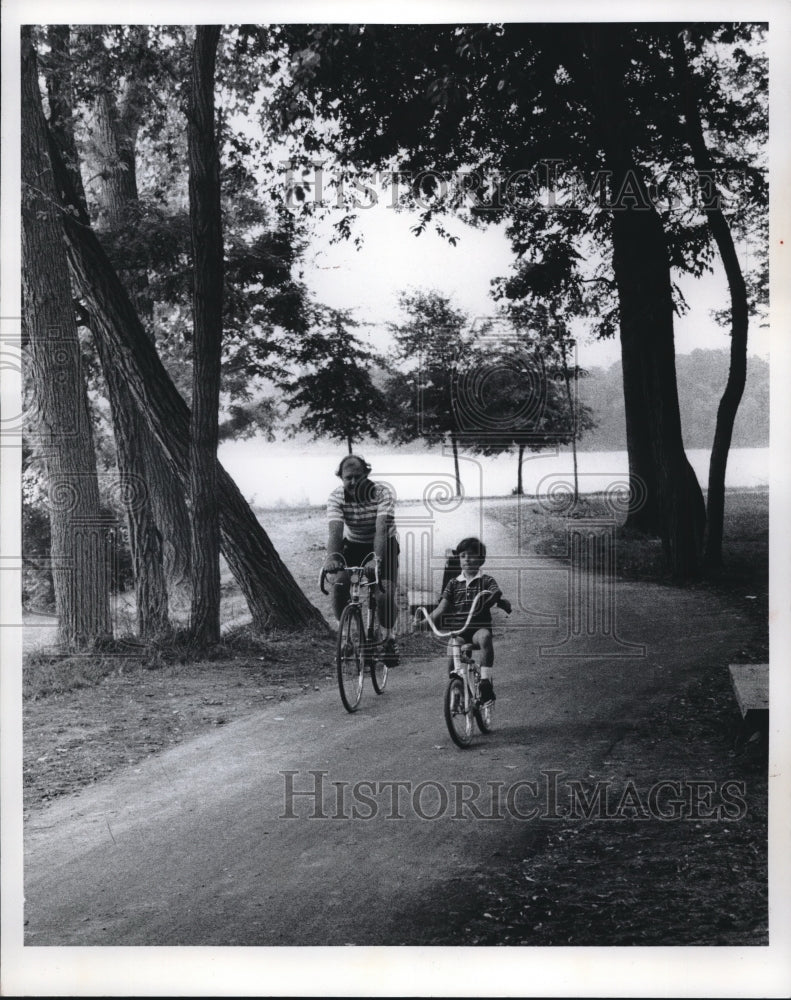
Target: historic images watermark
column 551, row 796
column 550, row 184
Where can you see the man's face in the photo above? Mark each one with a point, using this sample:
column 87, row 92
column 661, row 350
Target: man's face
column 352, row 476
column 470, row 562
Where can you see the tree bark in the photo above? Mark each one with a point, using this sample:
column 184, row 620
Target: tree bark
column 138, row 458
column 519, row 479
column 79, row 533
column 455, row 446
column 207, row 258
column 272, row 595
column 737, row 372
column 163, row 511
column 658, row 466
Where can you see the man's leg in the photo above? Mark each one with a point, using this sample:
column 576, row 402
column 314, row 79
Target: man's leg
column 339, row 591
column 387, row 605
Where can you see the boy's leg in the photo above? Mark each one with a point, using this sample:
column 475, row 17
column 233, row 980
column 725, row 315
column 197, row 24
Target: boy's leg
column 450, row 657
column 483, row 640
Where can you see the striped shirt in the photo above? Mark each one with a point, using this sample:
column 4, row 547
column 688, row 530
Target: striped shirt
column 460, row 594
column 359, row 515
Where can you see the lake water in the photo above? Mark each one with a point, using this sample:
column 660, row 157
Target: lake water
column 270, row 475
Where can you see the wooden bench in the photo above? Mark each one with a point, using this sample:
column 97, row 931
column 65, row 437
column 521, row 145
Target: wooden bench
column 750, row 683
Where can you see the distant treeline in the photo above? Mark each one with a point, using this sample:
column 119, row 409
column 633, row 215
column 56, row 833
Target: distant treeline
column 701, row 380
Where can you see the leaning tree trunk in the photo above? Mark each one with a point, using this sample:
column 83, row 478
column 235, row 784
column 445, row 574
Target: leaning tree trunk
column 737, row 373
column 207, row 261
column 272, row 595
column 162, row 510
column 79, row 533
column 657, row 462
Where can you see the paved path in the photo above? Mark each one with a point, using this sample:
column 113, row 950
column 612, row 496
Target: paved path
column 204, row 845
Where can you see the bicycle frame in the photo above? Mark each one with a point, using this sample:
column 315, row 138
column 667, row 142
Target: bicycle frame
column 357, row 652
column 357, row 581
column 462, row 664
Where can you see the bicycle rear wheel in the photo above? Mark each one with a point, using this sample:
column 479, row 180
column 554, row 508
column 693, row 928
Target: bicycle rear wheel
column 349, row 657
column 459, row 721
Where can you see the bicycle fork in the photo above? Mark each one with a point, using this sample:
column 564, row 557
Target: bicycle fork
column 462, row 666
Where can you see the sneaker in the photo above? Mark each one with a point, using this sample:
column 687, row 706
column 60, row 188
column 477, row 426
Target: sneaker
column 347, row 651
column 486, row 692
column 390, row 653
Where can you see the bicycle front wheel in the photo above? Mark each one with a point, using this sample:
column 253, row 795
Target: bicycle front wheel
column 484, row 716
column 349, row 657
column 378, row 671
column 458, row 719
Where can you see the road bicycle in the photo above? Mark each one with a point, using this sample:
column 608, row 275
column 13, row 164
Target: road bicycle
column 462, row 695
column 359, row 638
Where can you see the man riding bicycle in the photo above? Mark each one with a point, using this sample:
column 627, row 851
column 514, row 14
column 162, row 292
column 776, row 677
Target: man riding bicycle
column 361, row 520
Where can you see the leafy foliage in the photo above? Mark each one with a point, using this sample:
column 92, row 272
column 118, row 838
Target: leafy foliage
column 329, row 385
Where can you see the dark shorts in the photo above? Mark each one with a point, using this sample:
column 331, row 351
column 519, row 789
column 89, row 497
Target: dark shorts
column 468, row 633
column 355, row 552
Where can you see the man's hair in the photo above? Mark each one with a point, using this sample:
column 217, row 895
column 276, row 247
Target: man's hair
column 474, row 545
column 348, row 458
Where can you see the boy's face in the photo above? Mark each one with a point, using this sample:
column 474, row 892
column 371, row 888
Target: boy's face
column 470, row 562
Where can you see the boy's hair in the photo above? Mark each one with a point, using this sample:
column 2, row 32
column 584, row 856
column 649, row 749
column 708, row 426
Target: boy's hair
column 474, row 545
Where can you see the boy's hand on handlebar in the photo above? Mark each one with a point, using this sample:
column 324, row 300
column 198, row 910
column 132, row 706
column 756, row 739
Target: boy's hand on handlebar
column 332, row 564
column 505, row 604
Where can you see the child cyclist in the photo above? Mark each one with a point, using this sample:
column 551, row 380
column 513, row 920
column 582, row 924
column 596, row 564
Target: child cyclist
column 456, row 601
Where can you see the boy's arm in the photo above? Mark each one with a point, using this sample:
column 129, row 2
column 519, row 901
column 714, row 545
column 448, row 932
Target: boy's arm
column 497, row 599
column 441, row 609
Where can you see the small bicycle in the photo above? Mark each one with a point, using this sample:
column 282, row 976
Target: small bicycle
column 462, row 695
column 359, row 644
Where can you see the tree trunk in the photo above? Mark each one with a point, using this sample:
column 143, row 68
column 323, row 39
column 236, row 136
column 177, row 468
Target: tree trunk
column 573, row 415
column 455, row 446
column 737, row 372
column 519, row 480
column 272, row 595
column 163, row 511
column 79, row 533
column 60, row 93
column 137, row 458
column 658, row 465
column 207, row 259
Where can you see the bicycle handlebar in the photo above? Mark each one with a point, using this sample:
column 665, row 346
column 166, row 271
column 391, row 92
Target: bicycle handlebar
column 450, row 635
column 362, row 569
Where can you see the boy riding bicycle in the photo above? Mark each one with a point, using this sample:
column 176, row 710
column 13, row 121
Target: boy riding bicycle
column 457, row 599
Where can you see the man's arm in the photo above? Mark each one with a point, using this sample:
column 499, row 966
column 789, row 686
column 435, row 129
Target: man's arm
column 334, row 545
column 381, row 536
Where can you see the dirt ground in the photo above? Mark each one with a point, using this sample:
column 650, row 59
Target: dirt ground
column 86, row 717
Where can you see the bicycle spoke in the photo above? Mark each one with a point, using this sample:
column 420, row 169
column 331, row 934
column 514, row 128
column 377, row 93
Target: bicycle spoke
column 349, row 657
column 458, row 719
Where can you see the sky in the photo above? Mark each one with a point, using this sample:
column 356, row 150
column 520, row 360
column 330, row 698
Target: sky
column 393, row 260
